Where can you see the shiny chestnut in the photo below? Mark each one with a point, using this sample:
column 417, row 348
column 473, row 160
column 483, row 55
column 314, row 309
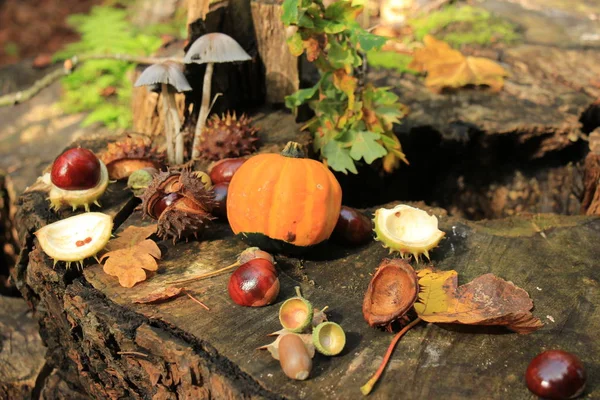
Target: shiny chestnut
column 254, row 284
column 352, row 227
column 556, row 374
column 223, row 170
column 220, row 193
column 76, row 169
column 163, row 203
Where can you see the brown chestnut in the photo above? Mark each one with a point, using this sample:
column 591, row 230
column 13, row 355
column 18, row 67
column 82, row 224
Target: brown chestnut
column 254, row 284
column 220, row 193
column 252, row 253
column 556, row 374
column 223, row 170
column 294, row 358
column 352, row 227
column 76, row 169
column 163, row 203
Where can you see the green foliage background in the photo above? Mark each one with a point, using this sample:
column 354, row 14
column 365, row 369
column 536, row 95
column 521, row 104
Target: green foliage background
column 107, row 30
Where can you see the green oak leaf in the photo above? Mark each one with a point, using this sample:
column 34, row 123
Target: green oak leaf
column 338, row 157
column 290, row 12
column 365, row 146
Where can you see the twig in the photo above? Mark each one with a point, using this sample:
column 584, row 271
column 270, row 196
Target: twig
column 367, row 387
column 69, row 65
column 207, row 275
column 132, row 353
column 197, row 301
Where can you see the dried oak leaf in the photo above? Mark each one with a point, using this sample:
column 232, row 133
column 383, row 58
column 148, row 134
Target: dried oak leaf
column 486, row 300
column 449, row 68
column 128, row 264
column 159, row 295
column 130, row 236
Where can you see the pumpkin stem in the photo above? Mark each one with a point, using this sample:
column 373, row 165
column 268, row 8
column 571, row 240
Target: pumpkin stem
column 293, row 150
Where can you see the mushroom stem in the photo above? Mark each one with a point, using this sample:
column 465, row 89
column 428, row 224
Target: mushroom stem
column 176, row 127
column 204, row 107
column 168, row 126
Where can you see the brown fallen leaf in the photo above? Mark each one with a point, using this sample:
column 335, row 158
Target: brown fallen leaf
column 449, row 68
column 486, row 300
column 159, row 295
column 273, row 347
column 128, row 264
column 130, row 236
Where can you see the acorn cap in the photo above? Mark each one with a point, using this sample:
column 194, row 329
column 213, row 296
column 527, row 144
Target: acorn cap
column 296, row 314
column 166, row 72
column 215, row 48
column 329, row 338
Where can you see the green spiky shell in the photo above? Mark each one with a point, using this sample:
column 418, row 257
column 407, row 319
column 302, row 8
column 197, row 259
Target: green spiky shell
column 77, row 198
column 55, row 241
column 407, row 230
column 228, row 136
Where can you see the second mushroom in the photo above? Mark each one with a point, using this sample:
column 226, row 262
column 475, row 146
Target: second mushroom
column 170, row 76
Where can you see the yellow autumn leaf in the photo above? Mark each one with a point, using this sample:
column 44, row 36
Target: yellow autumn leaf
column 449, row 68
column 433, row 296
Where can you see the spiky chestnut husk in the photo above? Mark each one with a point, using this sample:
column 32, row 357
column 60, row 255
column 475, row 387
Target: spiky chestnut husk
column 227, row 136
column 134, row 152
column 407, row 230
column 184, row 216
column 75, row 238
column 75, row 198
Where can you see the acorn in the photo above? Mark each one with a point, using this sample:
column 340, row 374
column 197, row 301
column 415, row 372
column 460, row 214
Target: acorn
column 77, row 178
column 180, row 202
column 296, row 313
column 295, row 361
column 227, row 136
column 133, row 153
column 407, row 230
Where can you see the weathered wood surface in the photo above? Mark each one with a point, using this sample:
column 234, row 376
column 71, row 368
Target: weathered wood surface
column 131, row 350
column 21, row 349
column 281, row 67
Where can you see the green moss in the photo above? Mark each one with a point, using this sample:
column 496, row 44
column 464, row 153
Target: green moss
column 390, row 60
column 464, row 25
column 84, row 87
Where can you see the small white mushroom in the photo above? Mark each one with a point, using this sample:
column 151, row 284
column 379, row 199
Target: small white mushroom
column 167, row 74
column 209, row 49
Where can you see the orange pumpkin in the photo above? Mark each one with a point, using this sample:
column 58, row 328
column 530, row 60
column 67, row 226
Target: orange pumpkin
column 285, row 197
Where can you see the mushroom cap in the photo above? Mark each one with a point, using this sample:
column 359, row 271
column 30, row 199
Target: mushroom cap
column 166, row 72
column 215, row 48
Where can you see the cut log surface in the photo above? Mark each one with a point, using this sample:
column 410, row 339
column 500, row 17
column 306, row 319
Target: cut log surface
column 117, row 348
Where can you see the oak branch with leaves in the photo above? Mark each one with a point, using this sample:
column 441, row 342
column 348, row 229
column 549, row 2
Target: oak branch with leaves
column 352, row 122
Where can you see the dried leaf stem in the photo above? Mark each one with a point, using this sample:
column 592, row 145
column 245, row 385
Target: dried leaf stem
column 367, row 387
column 207, row 275
column 24, row 95
column 197, row 301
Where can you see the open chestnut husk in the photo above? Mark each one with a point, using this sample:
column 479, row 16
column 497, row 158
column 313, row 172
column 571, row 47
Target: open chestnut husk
column 180, row 202
column 296, row 313
column 254, row 284
column 391, row 293
column 134, row 152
